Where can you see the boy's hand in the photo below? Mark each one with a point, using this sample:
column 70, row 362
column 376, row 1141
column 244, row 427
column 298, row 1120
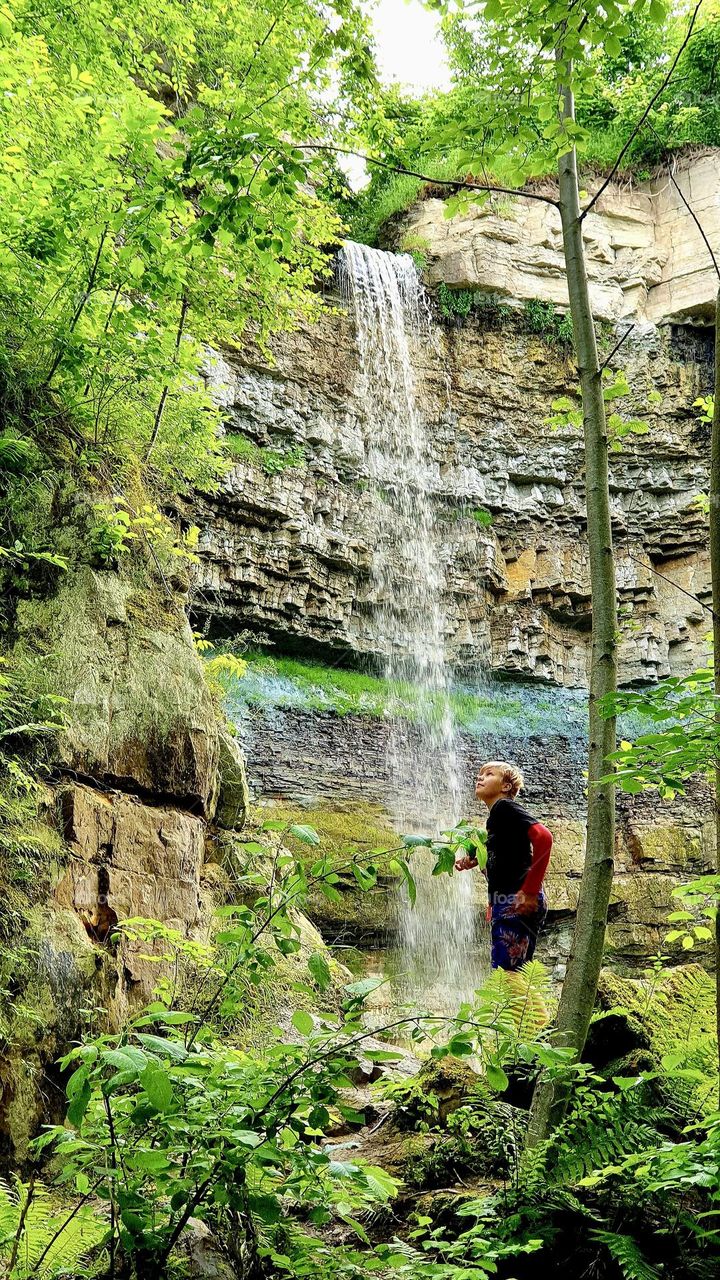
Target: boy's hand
column 466, row 863
column 526, row 904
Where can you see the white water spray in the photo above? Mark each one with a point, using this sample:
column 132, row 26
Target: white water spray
column 390, row 309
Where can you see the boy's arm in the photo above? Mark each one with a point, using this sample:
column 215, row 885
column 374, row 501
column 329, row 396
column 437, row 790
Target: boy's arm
column 541, row 841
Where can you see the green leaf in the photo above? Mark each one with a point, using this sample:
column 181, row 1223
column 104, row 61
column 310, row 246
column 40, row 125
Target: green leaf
column 164, row 1048
column 149, row 1161
column 445, row 860
column 308, row 835
column 496, row 1077
column 157, row 1087
column 366, row 878
column 267, row 1208
column 127, row 1058
column 320, row 970
column 302, row 1022
column 79, row 1105
column 398, row 867
column 462, row 1045
column 382, row 1185
column 365, row 986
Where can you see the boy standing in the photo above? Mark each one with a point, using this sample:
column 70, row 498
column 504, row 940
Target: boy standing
column 518, row 854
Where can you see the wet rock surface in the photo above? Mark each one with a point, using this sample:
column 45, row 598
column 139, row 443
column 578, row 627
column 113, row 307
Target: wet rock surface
column 288, row 556
column 323, row 758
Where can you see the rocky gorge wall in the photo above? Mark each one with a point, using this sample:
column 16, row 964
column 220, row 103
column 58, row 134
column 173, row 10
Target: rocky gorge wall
column 287, row 545
column 133, row 782
column 326, row 760
column 289, row 554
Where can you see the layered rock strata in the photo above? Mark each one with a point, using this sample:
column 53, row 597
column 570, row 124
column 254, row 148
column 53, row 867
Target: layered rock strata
column 288, row 556
column 135, row 779
column 646, row 258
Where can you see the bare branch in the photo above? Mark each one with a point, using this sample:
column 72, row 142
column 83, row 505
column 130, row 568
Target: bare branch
column 425, row 177
column 617, row 347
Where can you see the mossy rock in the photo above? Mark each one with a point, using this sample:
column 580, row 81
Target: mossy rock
column 671, row 1012
column 439, row 1089
column 344, row 829
column 233, row 800
column 52, row 977
column 140, row 715
column 616, row 1030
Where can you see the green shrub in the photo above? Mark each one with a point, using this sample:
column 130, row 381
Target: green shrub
column 492, row 313
column 454, row 303
column 542, row 318
column 271, row 461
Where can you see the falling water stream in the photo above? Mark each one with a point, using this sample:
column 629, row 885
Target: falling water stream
column 438, row 954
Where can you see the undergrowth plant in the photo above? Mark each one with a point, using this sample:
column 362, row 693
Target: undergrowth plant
column 167, row 1120
column 271, row 462
column 36, row 1237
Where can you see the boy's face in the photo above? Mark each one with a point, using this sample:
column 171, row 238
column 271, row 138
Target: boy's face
column 489, row 784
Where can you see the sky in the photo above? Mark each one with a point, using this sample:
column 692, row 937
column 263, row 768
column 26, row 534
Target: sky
column 409, row 52
column 409, row 49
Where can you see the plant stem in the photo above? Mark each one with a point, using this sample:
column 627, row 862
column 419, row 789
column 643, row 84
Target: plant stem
column 80, row 307
column 21, row 1222
column 714, row 522
column 164, row 394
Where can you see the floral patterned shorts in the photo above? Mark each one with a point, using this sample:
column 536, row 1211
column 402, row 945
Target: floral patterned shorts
column 513, row 937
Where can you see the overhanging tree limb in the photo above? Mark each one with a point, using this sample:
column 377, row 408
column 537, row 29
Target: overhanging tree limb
column 454, row 183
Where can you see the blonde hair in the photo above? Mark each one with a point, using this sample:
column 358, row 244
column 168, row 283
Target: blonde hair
column 511, row 776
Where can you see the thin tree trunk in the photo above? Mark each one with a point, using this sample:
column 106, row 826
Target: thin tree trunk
column 163, row 398
column 583, row 971
column 80, row 306
column 714, row 522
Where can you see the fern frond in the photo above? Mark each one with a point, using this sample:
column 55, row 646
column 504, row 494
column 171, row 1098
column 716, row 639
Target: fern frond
column 626, row 1252
column 45, row 1219
column 17, row 453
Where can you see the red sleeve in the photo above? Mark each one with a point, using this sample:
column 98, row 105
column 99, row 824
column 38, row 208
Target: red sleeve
column 541, row 841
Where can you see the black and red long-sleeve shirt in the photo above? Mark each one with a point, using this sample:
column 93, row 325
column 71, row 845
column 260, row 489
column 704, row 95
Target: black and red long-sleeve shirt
column 518, row 849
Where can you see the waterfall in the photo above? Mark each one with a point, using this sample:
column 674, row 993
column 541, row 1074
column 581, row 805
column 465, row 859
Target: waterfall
column 391, row 313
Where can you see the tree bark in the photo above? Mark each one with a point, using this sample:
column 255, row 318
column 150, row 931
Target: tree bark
column 714, row 522
column 583, row 971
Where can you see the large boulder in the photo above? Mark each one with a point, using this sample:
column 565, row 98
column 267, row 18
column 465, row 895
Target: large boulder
column 130, row 859
column 140, row 715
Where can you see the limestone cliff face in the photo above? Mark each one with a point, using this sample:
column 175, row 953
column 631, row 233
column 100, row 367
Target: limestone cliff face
column 646, row 259
column 289, row 555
